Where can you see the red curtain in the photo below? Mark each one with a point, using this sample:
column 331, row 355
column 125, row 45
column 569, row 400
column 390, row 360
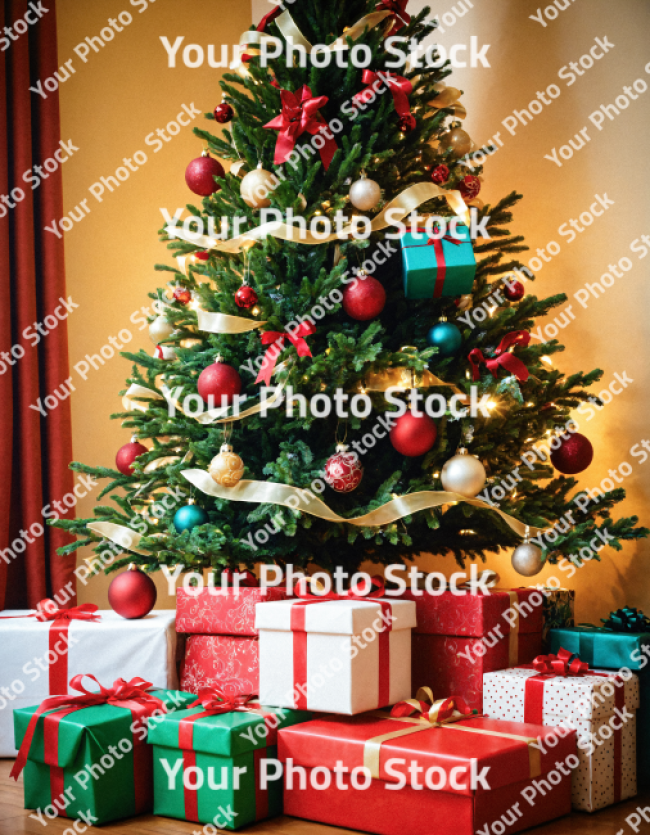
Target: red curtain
column 34, row 450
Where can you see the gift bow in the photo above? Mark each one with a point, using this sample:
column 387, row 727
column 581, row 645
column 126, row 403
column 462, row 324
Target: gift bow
column 399, row 86
column 398, row 8
column 502, row 357
column 300, row 115
column 131, row 695
column 435, row 712
column 48, row 610
column 214, row 701
column 435, row 241
column 563, row 664
column 627, row 620
column 276, row 340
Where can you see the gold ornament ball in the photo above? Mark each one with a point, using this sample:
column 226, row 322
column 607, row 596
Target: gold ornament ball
column 458, row 140
column 365, row 194
column 160, row 329
column 256, row 187
column 527, row 559
column 463, row 474
column 227, row 468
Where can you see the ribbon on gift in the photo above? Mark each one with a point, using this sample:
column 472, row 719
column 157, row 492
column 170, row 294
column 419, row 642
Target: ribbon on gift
column 399, row 86
column 397, row 8
column 442, row 714
column 359, row 591
column 300, row 115
column 626, row 619
column 276, row 340
column 441, row 264
column 47, row 610
column 503, row 358
column 215, row 702
column 563, row 664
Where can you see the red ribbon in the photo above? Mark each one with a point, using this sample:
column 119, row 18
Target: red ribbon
column 269, row 17
column 49, row 611
column 357, row 592
column 300, row 115
column 563, row 664
column 502, row 357
column 441, row 264
column 401, row 16
column 276, row 340
column 399, row 86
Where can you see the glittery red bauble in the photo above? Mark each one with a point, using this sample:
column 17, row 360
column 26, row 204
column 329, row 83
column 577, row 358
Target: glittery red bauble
column 245, row 296
column 574, row 455
column 343, row 471
column 219, row 380
column 182, row 295
column 247, row 580
column 514, row 291
column 200, row 174
column 132, row 594
column 469, row 187
column 223, row 113
column 440, row 174
column 407, row 123
column 364, row 299
column 126, row 455
column 413, row 436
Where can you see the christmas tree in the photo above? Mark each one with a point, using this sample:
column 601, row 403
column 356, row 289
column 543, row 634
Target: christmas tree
column 392, row 129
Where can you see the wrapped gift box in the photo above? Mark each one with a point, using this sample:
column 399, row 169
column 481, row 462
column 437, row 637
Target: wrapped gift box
column 66, row 746
column 587, row 702
column 559, row 612
column 218, row 611
column 336, row 656
column 224, row 661
column 434, row 268
column 459, row 638
column 108, row 649
column 505, row 749
column 212, row 746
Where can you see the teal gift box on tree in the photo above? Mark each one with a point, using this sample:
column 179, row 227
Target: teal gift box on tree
column 437, row 266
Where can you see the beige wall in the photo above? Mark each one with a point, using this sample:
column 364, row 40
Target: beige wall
column 127, row 91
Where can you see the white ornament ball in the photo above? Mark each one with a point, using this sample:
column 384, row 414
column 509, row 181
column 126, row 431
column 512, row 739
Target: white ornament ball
column 256, row 187
column 365, row 194
column 527, row 559
column 463, row 474
column 160, row 329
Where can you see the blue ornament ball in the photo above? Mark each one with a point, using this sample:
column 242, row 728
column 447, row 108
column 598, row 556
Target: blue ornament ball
column 446, row 337
column 188, row 517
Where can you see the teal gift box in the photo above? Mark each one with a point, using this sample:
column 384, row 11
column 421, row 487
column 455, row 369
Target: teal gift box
column 609, row 650
column 435, row 268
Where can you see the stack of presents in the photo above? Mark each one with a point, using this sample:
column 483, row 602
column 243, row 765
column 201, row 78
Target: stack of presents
column 479, row 712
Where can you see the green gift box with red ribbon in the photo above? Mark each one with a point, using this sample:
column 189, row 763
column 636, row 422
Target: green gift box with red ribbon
column 86, row 755
column 436, row 266
column 209, row 760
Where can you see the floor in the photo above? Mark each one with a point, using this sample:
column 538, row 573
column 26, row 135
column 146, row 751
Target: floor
column 15, row 820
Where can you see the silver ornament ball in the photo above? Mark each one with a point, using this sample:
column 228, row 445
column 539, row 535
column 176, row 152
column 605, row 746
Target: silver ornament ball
column 365, row 194
column 527, row 559
column 160, row 329
column 463, row 474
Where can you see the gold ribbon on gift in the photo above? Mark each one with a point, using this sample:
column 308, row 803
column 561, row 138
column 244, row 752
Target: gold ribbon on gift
column 404, row 378
column 270, row 492
column 491, row 581
column 223, row 323
column 405, row 202
column 372, row 746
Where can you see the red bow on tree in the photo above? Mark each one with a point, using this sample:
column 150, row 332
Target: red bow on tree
column 399, row 86
column 131, row 695
column 214, row 701
column 563, row 664
column 398, row 8
column 502, row 357
column 300, row 115
column 276, row 340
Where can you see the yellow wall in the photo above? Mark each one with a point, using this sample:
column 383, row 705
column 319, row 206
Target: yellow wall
column 127, row 91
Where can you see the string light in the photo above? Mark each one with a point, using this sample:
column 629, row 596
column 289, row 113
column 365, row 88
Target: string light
column 255, row 311
column 547, row 360
column 467, row 532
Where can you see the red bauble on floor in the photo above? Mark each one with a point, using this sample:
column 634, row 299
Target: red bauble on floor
column 364, row 299
column 132, row 594
column 200, row 174
column 219, row 380
column 413, row 436
column 574, row 455
column 127, row 454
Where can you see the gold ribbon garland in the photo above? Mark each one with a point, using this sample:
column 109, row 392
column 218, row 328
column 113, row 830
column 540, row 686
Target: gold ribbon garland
column 296, row 498
column 223, row 323
column 402, row 378
column 120, row 535
column 449, row 97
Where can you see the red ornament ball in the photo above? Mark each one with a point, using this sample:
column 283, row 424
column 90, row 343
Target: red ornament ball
column 200, row 174
column 132, row 594
column 219, row 380
column 407, row 123
column 364, row 299
column 245, row 296
column 126, row 455
column 469, row 187
column 413, row 436
column 223, row 113
column 203, row 256
column 343, row 471
column 514, row 290
column 440, row 174
column 573, row 455
column 247, row 580
column 182, row 295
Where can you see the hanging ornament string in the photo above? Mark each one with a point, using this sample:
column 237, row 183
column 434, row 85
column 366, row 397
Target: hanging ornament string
column 269, row 492
column 502, row 357
column 405, row 202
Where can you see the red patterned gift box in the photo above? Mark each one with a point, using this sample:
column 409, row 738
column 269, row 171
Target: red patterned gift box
column 218, row 611
column 224, row 661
